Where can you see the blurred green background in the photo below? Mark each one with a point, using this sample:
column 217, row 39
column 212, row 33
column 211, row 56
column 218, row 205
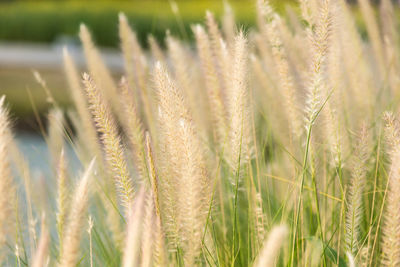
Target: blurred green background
column 46, row 21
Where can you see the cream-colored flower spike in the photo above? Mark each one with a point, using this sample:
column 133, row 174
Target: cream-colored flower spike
column 214, row 90
column 106, row 126
column 40, row 258
column 7, row 189
column 76, row 220
column 391, row 216
column 98, row 69
column 271, row 247
column 134, row 228
column 185, row 157
column 78, row 96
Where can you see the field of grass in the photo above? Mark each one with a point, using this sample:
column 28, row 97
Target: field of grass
column 49, row 21
column 275, row 146
column 46, row 21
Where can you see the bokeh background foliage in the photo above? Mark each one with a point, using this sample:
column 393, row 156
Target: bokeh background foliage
column 45, row 21
column 48, row 21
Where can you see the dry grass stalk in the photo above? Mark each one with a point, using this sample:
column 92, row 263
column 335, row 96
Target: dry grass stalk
column 133, row 129
column 55, row 134
column 220, row 52
column 186, row 158
column 374, row 34
column 391, row 231
column 272, row 246
column 228, row 23
column 41, row 256
column 390, row 228
column 7, row 189
column 239, row 107
column 147, row 246
column 88, row 138
column 180, row 61
column 98, row 69
column 320, row 41
column 156, row 50
column 270, row 24
column 153, row 175
column 214, row 91
column 76, row 219
column 88, row 132
column 134, row 228
column 111, row 141
column 89, row 230
column 355, row 196
column 136, row 68
column 158, row 235
column 62, row 196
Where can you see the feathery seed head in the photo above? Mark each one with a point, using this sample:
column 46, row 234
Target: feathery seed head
column 111, row 141
column 7, row 189
column 76, row 219
column 272, row 246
